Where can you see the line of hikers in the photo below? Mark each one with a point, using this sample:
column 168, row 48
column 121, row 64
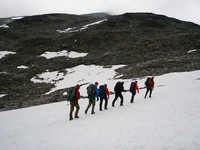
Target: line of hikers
column 73, row 95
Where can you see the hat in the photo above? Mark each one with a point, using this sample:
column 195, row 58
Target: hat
column 96, row 83
column 78, row 86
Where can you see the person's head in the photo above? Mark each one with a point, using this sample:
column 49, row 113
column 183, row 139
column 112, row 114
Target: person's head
column 152, row 78
column 122, row 82
column 105, row 85
column 136, row 82
column 96, row 83
column 78, row 86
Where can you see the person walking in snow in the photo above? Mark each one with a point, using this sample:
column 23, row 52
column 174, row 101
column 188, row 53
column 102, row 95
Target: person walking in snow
column 133, row 88
column 74, row 103
column 149, row 85
column 92, row 93
column 104, row 95
column 119, row 88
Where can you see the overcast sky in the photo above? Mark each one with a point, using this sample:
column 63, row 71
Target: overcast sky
column 187, row 10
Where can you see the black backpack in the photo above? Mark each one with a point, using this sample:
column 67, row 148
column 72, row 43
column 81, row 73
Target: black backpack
column 118, row 87
column 147, row 82
column 102, row 90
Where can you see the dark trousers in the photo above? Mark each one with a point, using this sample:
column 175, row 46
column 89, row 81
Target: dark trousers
column 116, row 96
column 148, row 89
column 133, row 95
column 101, row 102
column 72, row 105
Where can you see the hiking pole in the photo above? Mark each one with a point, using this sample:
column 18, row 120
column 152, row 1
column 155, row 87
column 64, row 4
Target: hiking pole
column 142, row 87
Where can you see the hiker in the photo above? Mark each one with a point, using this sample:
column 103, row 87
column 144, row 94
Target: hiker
column 97, row 90
column 92, row 92
column 104, row 95
column 133, row 88
column 150, row 86
column 119, row 88
column 74, row 103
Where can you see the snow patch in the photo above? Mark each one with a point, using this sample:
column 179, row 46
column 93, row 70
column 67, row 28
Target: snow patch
column 17, row 18
column 75, row 29
column 4, row 26
column 22, row 67
column 2, row 95
column 71, row 54
column 3, row 72
column 81, row 74
column 4, row 53
column 193, row 50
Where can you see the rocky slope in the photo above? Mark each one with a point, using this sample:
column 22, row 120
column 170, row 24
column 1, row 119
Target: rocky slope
column 148, row 44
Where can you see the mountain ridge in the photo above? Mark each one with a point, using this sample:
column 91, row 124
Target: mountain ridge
column 148, row 44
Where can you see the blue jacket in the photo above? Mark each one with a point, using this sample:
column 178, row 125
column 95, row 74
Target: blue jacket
column 97, row 90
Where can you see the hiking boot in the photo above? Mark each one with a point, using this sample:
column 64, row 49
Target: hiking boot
column 113, row 105
column 71, row 119
column 121, row 105
column 86, row 112
column 100, row 110
column 93, row 113
column 106, row 108
column 76, row 116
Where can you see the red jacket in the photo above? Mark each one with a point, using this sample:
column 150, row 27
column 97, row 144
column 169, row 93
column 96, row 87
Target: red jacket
column 137, row 88
column 107, row 92
column 77, row 94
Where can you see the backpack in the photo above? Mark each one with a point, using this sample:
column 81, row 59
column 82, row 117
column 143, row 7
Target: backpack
column 132, row 87
column 147, row 83
column 119, row 87
column 102, row 90
column 71, row 94
column 91, row 90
